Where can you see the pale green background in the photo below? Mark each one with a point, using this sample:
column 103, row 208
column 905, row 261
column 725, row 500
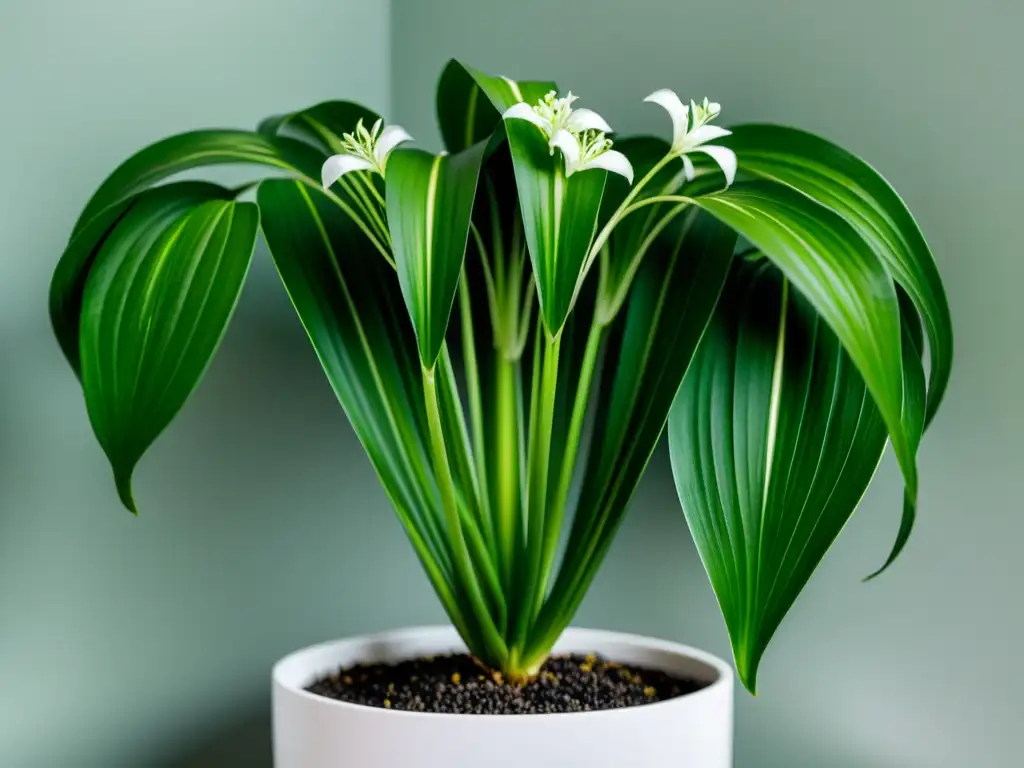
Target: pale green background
column 148, row 642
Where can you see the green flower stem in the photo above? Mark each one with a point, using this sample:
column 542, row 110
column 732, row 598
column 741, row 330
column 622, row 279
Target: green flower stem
column 356, row 187
column 483, row 563
column 656, row 200
column 476, row 412
column 620, row 213
column 607, row 309
column 488, row 632
column 538, row 462
column 507, row 460
column 556, row 508
column 357, row 220
column 459, row 442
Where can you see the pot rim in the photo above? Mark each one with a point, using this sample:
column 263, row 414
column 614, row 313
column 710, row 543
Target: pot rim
column 445, row 634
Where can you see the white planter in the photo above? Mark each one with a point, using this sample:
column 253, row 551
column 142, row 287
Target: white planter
column 692, row 731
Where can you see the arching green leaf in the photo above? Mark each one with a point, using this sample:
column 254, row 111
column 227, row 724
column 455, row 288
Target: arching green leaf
column 321, row 124
column 827, row 261
column 849, row 186
column 773, row 439
column 196, row 149
column 71, row 272
column 147, row 167
column 155, row 305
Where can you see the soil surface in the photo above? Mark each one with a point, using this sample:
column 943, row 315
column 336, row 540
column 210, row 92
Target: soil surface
column 458, row 685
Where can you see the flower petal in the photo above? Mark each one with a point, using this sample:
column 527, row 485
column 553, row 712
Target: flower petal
column 688, row 170
column 390, row 138
column 613, row 161
column 523, row 111
column 337, row 166
column 570, row 147
column 705, row 134
column 587, row 120
column 725, row 158
column 678, row 111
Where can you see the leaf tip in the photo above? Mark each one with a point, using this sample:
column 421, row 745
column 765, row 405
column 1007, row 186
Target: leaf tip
column 123, row 481
column 906, row 526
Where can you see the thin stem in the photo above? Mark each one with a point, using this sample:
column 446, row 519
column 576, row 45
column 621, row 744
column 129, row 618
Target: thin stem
column 556, row 509
column 538, row 462
column 483, row 562
column 656, row 200
column 476, row 411
column 367, row 179
column 618, row 215
column 607, row 310
column 507, row 462
column 351, row 184
column 331, row 195
column 493, row 645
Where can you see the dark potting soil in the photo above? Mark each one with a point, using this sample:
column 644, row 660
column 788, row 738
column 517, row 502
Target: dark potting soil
column 457, row 685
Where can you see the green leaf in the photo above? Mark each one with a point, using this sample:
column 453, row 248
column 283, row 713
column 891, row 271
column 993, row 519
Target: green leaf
column 559, row 217
column 464, row 113
column 504, row 93
column 774, row 439
column 196, row 149
column 429, row 205
column 649, row 348
column 559, row 214
column 853, row 189
column 68, row 283
column 154, row 308
column 321, row 124
column 150, row 166
column 840, row 275
column 350, row 305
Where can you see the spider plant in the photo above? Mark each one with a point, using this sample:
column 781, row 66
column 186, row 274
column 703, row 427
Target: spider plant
column 511, row 325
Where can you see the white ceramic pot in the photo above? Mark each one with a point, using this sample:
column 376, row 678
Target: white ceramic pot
column 692, row 731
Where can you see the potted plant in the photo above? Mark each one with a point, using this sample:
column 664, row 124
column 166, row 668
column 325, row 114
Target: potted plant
column 510, row 326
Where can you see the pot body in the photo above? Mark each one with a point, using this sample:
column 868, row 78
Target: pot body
column 311, row 731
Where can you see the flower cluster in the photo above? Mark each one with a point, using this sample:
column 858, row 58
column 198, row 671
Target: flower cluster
column 363, row 150
column 580, row 134
column 691, row 132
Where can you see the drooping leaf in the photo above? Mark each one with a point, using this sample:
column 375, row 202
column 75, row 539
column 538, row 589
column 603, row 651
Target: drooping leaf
column 773, row 439
column 186, row 151
column 853, row 189
column 150, row 166
column 154, row 308
column 71, row 272
column 649, row 348
column 321, row 124
column 429, row 204
column 840, row 275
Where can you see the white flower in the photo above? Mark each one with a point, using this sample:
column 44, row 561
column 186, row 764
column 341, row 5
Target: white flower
column 578, row 133
column 363, row 150
column 591, row 149
column 691, row 132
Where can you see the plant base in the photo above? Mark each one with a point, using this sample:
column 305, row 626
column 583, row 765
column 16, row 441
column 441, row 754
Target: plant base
column 312, row 731
column 455, row 684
